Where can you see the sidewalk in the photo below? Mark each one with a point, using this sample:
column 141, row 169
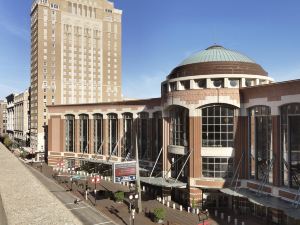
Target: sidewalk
column 25, row 200
column 119, row 211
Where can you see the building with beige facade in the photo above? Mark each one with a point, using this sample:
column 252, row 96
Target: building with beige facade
column 10, row 110
column 75, row 57
column 21, row 118
column 3, row 117
column 222, row 135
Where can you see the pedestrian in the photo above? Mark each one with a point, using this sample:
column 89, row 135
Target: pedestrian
column 77, row 201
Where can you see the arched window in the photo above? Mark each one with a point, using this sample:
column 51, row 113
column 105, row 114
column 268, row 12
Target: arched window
column 260, row 123
column 217, row 126
column 143, row 135
column 179, row 126
column 98, row 134
column 127, row 134
column 84, row 133
column 290, row 139
column 113, row 134
column 69, row 133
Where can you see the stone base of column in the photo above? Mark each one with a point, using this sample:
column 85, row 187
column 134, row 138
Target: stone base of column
column 166, row 193
column 195, row 197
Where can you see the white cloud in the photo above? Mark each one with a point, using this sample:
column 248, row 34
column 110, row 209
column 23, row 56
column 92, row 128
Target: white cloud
column 143, row 86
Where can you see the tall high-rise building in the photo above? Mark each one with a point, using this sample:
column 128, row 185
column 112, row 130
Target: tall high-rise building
column 75, row 57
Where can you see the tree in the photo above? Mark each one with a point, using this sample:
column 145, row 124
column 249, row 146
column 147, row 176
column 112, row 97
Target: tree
column 7, row 142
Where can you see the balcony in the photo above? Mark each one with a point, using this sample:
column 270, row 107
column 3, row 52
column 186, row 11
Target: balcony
column 177, row 150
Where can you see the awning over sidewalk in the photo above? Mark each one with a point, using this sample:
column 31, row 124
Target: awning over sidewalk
column 162, row 182
column 96, row 161
column 265, row 200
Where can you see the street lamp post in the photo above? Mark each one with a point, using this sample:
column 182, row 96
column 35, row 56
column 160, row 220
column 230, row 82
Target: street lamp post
column 206, row 214
column 132, row 199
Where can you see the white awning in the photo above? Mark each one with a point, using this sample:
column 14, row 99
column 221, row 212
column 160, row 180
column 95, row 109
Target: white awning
column 162, row 182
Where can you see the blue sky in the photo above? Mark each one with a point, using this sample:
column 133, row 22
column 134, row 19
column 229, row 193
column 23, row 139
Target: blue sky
column 159, row 34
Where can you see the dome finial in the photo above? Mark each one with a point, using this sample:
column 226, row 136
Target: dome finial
column 215, row 46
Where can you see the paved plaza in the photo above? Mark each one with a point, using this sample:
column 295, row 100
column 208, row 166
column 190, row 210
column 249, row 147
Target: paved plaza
column 42, row 200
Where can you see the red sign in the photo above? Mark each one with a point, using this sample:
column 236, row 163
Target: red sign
column 125, row 171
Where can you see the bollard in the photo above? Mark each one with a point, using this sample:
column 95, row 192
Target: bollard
column 197, row 211
column 216, row 213
column 144, row 189
column 222, row 216
column 188, row 209
column 174, row 206
column 235, row 221
column 86, row 198
column 180, row 208
column 101, row 177
column 243, row 223
column 163, row 201
column 228, row 219
column 168, row 204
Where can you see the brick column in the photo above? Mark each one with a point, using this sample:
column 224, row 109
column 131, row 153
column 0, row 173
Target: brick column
column 241, row 146
column 63, row 135
column 166, row 133
column 195, row 195
column 276, row 149
column 195, row 142
column 77, row 133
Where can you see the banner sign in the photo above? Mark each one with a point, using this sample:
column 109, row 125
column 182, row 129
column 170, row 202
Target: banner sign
column 124, row 171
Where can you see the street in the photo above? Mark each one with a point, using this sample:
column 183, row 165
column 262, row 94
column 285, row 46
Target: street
column 84, row 212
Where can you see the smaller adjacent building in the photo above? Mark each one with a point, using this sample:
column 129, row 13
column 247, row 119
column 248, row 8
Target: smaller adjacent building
column 10, row 115
column 16, row 121
column 21, row 116
column 3, row 117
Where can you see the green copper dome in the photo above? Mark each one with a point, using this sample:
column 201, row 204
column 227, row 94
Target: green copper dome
column 216, row 53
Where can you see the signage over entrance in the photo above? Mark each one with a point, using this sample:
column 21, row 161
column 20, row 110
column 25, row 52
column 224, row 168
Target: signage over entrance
column 124, row 171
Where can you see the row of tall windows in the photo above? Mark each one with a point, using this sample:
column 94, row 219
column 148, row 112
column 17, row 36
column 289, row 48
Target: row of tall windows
column 179, row 118
column 260, row 124
column 290, row 139
column 114, row 142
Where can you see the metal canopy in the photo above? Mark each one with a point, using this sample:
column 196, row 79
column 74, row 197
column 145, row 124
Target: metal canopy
column 96, row 161
column 162, row 182
column 265, row 200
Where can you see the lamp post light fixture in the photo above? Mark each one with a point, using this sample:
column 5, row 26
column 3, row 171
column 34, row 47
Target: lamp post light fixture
column 132, row 199
column 206, row 214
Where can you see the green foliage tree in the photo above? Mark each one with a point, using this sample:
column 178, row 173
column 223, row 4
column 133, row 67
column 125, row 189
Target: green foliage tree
column 7, row 142
column 159, row 214
column 119, row 196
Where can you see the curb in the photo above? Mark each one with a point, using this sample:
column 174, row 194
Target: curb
column 3, row 219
